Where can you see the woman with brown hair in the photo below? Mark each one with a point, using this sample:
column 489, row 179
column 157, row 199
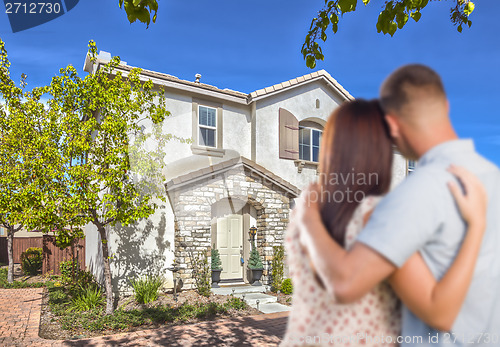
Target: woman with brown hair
column 355, row 172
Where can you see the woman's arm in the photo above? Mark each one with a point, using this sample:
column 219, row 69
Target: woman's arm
column 438, row 303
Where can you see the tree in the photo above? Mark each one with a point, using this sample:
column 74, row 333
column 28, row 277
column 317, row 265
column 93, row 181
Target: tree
column 394, row 15
column 141, row 10
column 111, row 176
column 27, row 158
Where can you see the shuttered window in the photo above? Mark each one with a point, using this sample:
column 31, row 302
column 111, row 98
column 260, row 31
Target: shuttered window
column 288, row 135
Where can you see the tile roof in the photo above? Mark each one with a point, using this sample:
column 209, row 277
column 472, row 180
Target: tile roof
column 302, row 79
column 171, row 78
column 244, row 97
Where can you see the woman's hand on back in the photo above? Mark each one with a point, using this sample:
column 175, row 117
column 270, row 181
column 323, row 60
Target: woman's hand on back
column 472, row 203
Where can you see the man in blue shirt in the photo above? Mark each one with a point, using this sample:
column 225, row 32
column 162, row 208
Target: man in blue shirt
column 419, row 215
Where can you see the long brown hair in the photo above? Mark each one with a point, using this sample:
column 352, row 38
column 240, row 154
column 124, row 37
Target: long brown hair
column 355, row 161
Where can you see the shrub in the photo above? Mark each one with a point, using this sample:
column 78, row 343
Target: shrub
column 235, row 303
column 277, row 267
column 69, row 271
column 146, row 289
column 255, row 262
column 89, row 298
column 31, row 260
column 58, row 295
column 216, row 263
column 287, row 286
column 72, row 275
column 202, row 273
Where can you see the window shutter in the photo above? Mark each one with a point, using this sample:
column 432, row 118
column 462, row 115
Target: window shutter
column 288, row 135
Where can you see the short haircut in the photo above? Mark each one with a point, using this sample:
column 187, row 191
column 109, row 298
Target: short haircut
column 399, row 88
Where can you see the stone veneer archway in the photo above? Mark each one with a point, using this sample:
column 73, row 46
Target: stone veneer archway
column 192, row 202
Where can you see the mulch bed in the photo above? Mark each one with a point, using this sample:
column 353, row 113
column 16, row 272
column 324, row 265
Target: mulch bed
column 51, row 329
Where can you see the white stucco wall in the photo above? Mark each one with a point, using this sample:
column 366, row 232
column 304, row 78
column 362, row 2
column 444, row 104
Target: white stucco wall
column 137, row 250
column 179, row 123
column 147, row 246
column 237, row 129
column 301, row 101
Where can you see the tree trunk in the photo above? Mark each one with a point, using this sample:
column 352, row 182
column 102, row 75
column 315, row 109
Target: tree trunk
column 107, row 269
column 10, row 252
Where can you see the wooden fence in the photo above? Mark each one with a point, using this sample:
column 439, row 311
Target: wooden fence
column 20, row 245
column 52, row 255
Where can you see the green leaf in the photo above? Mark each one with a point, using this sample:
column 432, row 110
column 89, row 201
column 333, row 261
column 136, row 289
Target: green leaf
column 402, row 19
column 366, row 2
column 334, row 18
column 143, row 15
column 469, row 8
column 136, row 2
column 310, row 62
column 459, row 29
column 347, row 5
column 392, row 28
column 335, row 28
column 416, row 16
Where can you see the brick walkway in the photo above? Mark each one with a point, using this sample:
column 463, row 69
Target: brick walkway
column 20, row 318
column 19, row 315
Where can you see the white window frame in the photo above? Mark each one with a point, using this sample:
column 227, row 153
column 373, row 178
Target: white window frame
column 310, row 144
column 410, row 167
column 207, row 127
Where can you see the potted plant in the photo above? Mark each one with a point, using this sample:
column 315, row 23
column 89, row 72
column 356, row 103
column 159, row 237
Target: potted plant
column 255, row 264
column 216, row 267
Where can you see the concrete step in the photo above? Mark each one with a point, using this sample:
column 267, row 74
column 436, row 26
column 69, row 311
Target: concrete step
column 239, row 289
column 252, row 294
column 273, row 307
column 252, row 298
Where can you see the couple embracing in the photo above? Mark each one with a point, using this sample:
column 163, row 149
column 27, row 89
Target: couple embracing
column 419, row 265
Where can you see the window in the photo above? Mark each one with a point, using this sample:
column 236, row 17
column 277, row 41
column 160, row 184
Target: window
column 207, row 124
column 412, row 164
column 299, row 141
column 309, row 140
column 207, row 128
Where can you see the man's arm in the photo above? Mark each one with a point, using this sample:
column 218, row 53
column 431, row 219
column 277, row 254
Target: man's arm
column 348, row 275
column 402, row 223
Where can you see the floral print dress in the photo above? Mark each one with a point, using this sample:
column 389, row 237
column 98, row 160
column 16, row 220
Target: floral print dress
column 317, row 319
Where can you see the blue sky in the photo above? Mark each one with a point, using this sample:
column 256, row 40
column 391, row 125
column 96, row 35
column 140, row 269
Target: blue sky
column 246, row 46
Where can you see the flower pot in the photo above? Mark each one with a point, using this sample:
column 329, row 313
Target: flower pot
column 216, row 278
column 256, row 275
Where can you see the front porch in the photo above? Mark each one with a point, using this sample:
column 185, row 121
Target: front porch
column 216, row 206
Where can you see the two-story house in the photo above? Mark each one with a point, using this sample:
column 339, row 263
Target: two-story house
column 251, row 155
